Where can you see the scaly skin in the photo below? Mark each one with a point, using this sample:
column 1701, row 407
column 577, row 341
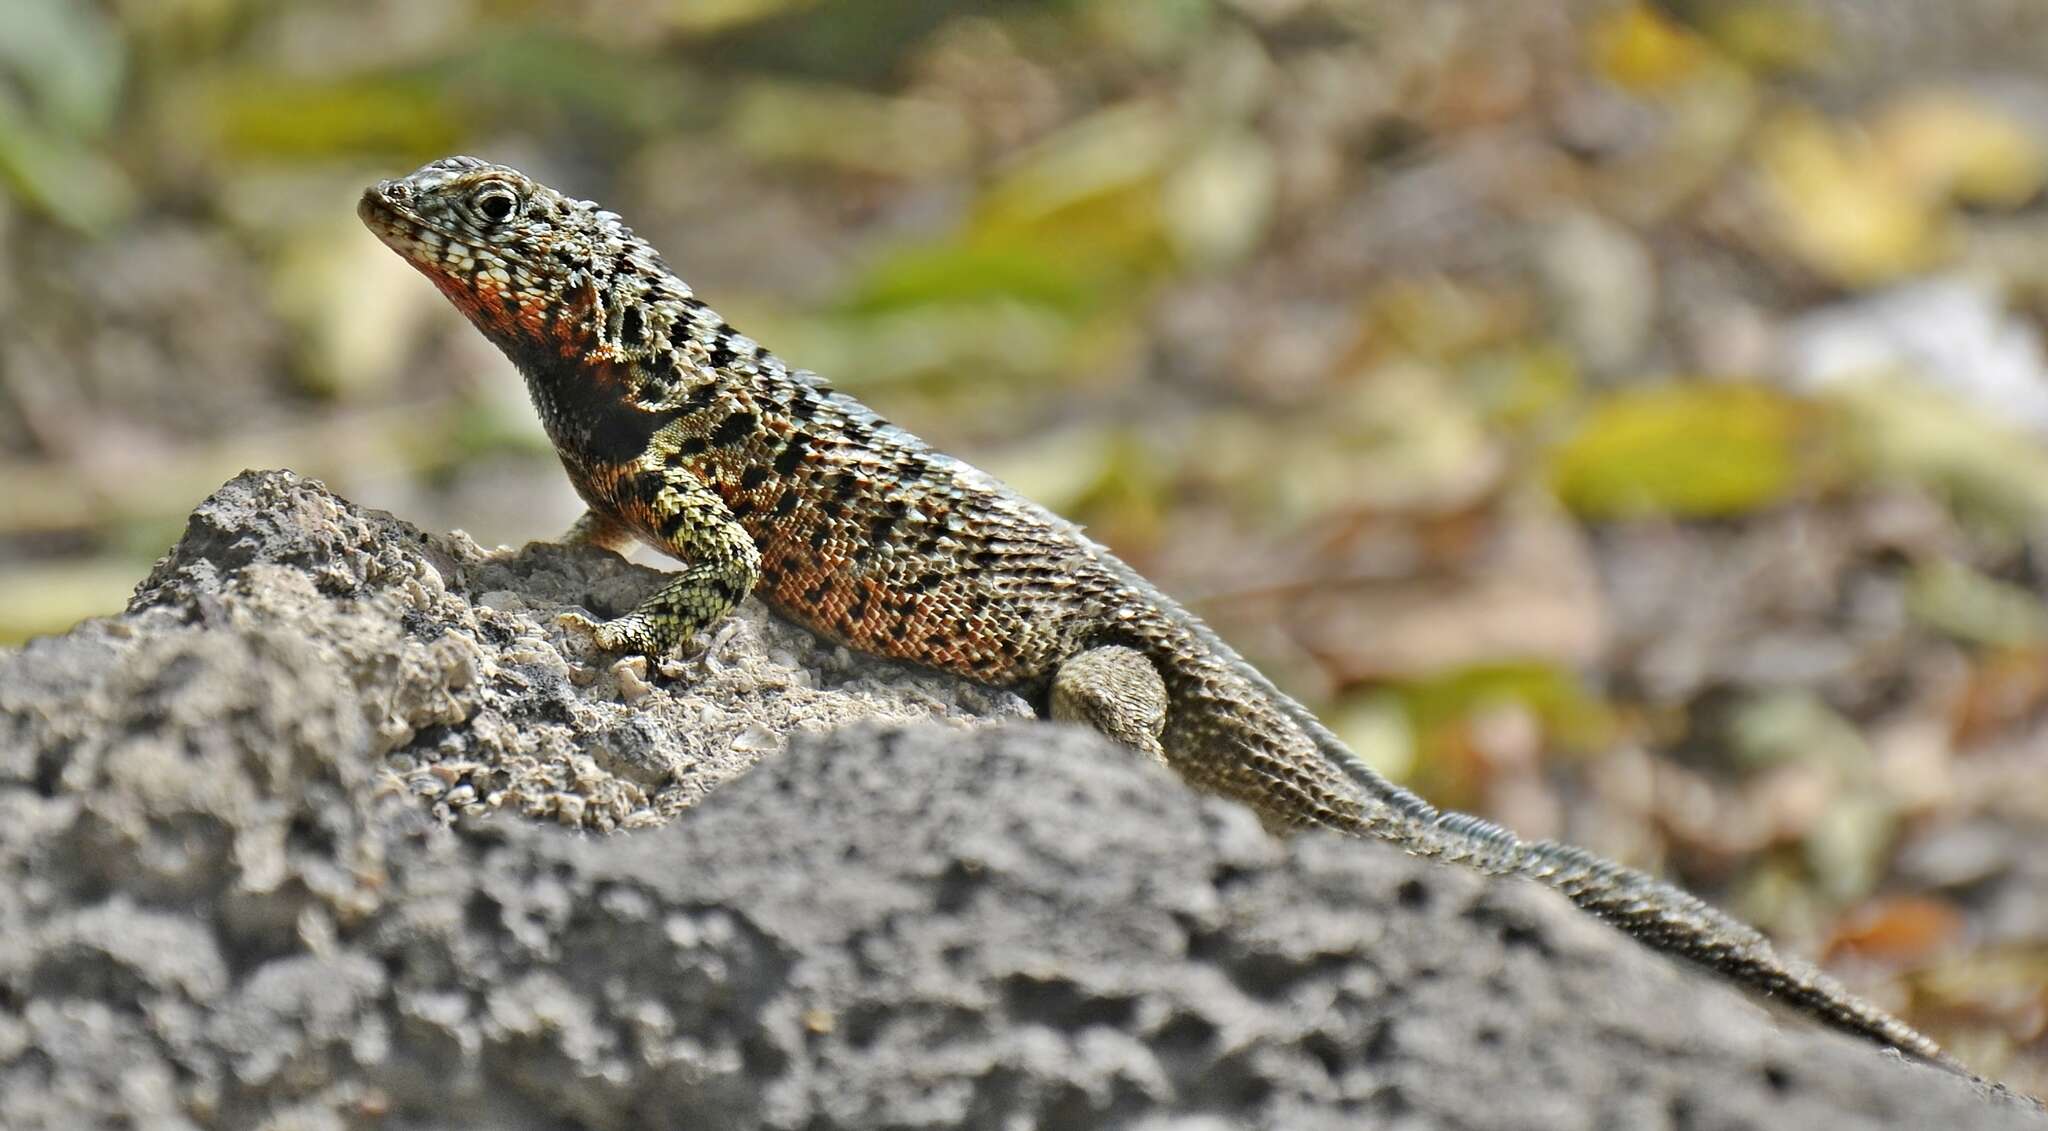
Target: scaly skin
column 682, row 433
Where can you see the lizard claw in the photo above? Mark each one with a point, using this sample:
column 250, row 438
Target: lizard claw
column 577, row 624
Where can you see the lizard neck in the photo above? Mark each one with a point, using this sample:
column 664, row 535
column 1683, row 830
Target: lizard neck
column 586, row 407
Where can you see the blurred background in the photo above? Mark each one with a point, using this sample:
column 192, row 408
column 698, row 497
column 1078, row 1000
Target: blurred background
column 1624, row 420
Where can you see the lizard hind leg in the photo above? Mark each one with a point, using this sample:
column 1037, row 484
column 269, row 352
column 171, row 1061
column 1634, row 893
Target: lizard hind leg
column 1117, row 691
column 596, row 528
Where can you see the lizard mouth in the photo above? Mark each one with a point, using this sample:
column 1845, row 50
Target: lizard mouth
column 385, row 210
column 388, row 209
column 381, row 211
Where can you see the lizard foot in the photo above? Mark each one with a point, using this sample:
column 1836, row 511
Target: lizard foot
column 629, row 633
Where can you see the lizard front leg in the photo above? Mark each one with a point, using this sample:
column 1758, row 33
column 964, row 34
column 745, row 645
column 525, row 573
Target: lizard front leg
column 691, row 523
column 1117, row 691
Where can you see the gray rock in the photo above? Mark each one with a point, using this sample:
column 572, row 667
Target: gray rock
column 224, row 901
column 473, row 695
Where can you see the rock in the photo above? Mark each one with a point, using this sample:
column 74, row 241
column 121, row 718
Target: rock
column 229, row 899
column 473, row 694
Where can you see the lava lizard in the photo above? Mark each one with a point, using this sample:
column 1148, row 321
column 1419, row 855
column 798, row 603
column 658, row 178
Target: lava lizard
column 682, row 433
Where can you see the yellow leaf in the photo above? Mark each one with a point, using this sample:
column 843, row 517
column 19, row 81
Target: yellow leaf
column 1570, row 713
column 1681, row 449
column 260, row 114
column 1947, row 145
column 1768, row 35
column 1091, row 190
column 1640, row 48
column 1841, row 207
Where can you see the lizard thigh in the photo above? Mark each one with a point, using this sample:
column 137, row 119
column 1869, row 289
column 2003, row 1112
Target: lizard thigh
column 1115, row 690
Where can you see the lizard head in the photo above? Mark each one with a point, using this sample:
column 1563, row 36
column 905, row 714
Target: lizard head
column 512, row 254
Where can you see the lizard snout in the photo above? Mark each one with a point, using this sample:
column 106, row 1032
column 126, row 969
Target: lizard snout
column 379, row 207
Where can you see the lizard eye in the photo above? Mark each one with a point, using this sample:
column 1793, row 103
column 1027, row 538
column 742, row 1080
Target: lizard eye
column 495, row 202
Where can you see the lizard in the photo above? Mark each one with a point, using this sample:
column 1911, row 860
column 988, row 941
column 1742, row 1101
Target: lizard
column 680, row 432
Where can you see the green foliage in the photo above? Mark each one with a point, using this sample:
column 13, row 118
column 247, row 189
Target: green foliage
column 1572, row 716
column 62, row 69
column 259, row 114
column 1952, row 598
column 1896, row 430
column 955, row 273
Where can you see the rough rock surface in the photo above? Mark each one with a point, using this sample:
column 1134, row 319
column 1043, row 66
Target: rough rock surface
column 476, row 697
column 224, row 901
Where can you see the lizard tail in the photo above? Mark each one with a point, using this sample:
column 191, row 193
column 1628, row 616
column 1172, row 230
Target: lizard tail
column 1649, row 909
column 1683, row 924
column 1654, row 912
column 1675, row 921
